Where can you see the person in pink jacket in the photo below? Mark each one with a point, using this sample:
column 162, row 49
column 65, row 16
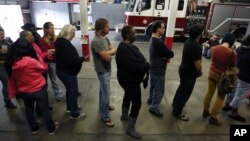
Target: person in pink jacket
column 25, row 69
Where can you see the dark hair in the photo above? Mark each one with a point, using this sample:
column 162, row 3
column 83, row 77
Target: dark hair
column 246, row 41
column 20, row 48
column 126, row 31
column 195, row 30
column 228, row 38
column 156, row 24
column 100, row 24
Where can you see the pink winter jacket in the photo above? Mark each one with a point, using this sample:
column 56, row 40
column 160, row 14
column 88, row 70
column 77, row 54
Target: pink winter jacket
column 27, row 76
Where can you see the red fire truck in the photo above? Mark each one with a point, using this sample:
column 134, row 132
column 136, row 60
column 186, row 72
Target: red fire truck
column 218, row 16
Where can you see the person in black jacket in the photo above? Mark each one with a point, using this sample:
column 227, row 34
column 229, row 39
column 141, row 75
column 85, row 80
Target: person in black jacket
column 243, row 85
column 68, row 65
column 131, row 68
column 158, row 56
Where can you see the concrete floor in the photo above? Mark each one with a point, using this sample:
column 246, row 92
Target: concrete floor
column 13, row 125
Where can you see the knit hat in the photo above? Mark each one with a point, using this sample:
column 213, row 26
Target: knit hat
column 228, row 38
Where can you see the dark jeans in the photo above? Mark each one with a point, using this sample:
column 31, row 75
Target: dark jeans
column 41, row 98
column 71, row 85
column 132, row 93
column 4, row 80
column 182, row 94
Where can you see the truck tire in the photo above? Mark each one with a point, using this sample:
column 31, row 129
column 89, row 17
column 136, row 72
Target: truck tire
column 239, row 33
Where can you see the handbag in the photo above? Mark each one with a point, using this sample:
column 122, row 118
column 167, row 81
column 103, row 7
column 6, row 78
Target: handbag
column 228, row 79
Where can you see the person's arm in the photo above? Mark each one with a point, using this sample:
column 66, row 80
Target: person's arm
column 111, row 50
column 130, row 61
column 197, row 59
column 198, row 67
column 162, row 50
column 98, row 48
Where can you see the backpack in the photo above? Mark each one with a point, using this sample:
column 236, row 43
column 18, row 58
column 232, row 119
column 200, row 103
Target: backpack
column 228, row 79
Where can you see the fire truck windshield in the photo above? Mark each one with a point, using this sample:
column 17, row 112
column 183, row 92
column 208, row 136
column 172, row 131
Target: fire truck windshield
column 131, row 5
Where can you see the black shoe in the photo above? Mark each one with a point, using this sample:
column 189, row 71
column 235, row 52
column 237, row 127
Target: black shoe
column 205, row 114
column 9, row 104
column 227, row 108
column 214, row 121
column 157, row 113
column 79, row 94
column 50, row 108
column 35, row 130
column 238, row 118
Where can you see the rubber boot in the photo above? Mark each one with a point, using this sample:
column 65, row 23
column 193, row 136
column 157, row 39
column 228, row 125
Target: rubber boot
column 125, row 111
column 9, row 104
column 131, row 129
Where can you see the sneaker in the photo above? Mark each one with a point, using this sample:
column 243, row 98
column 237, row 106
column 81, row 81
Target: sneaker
column 35, row 130
column 214, row 121
column 56, row 127
column 80, row 116
column 183, row 117
column 108, row 123
column 227, row 108
column 68, row 111
column 111, row 108
column 157, row 113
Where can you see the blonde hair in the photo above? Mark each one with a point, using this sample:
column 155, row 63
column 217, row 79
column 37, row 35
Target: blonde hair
column 66, row 31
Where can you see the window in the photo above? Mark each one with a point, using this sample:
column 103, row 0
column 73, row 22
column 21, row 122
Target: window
column 159, row 5
column 131, row 5
column 143, row 5
column 180, row 5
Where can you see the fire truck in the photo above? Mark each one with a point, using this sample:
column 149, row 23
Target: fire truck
column 218, row 16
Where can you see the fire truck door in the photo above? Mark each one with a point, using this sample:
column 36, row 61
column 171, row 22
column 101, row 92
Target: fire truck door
column 160, row 8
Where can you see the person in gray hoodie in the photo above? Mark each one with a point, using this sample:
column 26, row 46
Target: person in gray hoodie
column 243, row 85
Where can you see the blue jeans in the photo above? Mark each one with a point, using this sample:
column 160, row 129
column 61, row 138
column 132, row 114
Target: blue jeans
column 71, row 85
column 41, row 99
column 52, row 76
column 104, row 94
column 156, row 92
column 206, row 52
column 241, row 91
column 4, row 80
column 230, row 96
